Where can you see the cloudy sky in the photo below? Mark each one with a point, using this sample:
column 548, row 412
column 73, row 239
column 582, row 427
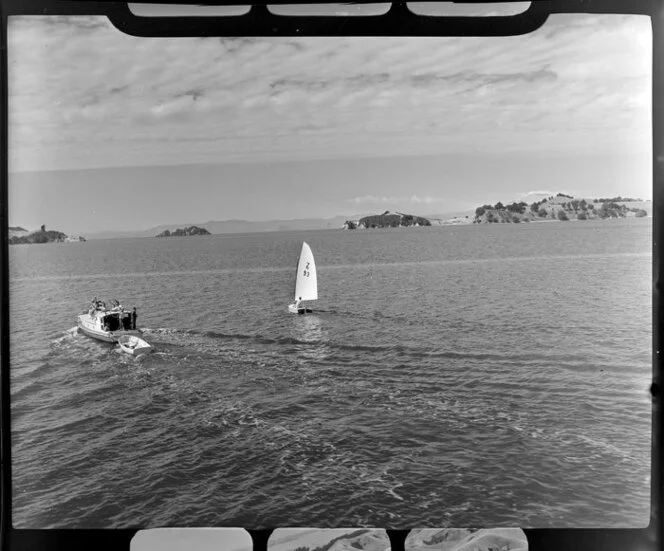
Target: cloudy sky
column 108, row 131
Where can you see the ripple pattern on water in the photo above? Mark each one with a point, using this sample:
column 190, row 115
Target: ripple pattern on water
column 439, row 384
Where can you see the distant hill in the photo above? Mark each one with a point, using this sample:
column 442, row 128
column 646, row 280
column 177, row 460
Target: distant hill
column 17, row 231
column 182, row 232
column 387, row 220
column 233, row 226
column 562, row 208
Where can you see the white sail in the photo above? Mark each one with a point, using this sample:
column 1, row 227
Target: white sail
column 306, row 283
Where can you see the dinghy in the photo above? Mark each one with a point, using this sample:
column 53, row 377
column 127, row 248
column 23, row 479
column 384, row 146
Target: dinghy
column 306, row 283
column 134, row 345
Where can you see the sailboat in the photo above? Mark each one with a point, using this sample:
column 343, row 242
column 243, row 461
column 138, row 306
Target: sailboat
column 306, row 283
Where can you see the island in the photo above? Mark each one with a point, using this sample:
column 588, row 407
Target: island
column 387, row 220
column 21, row 236
column 561, row 208
column 184, row 232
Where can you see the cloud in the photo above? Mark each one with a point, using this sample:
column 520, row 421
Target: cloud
column 538, row 192
column 482, row 79
column 427, row 199
column 560, row 89
column 392, row 200
column 373, row 200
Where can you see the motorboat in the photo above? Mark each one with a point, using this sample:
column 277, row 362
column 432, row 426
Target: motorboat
column 108, row 324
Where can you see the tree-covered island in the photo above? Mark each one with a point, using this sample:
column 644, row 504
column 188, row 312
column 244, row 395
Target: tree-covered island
column 561, row 208
column 184, row 232
column 21, row 236
column 387, row 220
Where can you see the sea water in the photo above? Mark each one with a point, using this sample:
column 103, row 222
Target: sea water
column 450, row 376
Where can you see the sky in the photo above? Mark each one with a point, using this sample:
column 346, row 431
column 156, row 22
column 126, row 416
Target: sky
column 112, row 132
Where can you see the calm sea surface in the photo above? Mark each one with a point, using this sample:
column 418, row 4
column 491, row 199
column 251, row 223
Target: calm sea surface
column 453, row 376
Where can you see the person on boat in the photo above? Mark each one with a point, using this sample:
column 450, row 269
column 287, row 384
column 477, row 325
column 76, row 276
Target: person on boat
column 133, row 318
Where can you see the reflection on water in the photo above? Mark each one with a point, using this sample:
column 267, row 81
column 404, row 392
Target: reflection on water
column 310, row 336
column 309, row 328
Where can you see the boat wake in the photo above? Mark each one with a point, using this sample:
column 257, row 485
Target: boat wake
column 311, row 333
column 74, row 340
column 69, row 335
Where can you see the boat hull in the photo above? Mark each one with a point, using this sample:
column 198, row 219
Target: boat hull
column 86, row 326
column 301, row 310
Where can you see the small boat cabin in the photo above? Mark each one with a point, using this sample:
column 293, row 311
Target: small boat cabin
column 115, row 318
